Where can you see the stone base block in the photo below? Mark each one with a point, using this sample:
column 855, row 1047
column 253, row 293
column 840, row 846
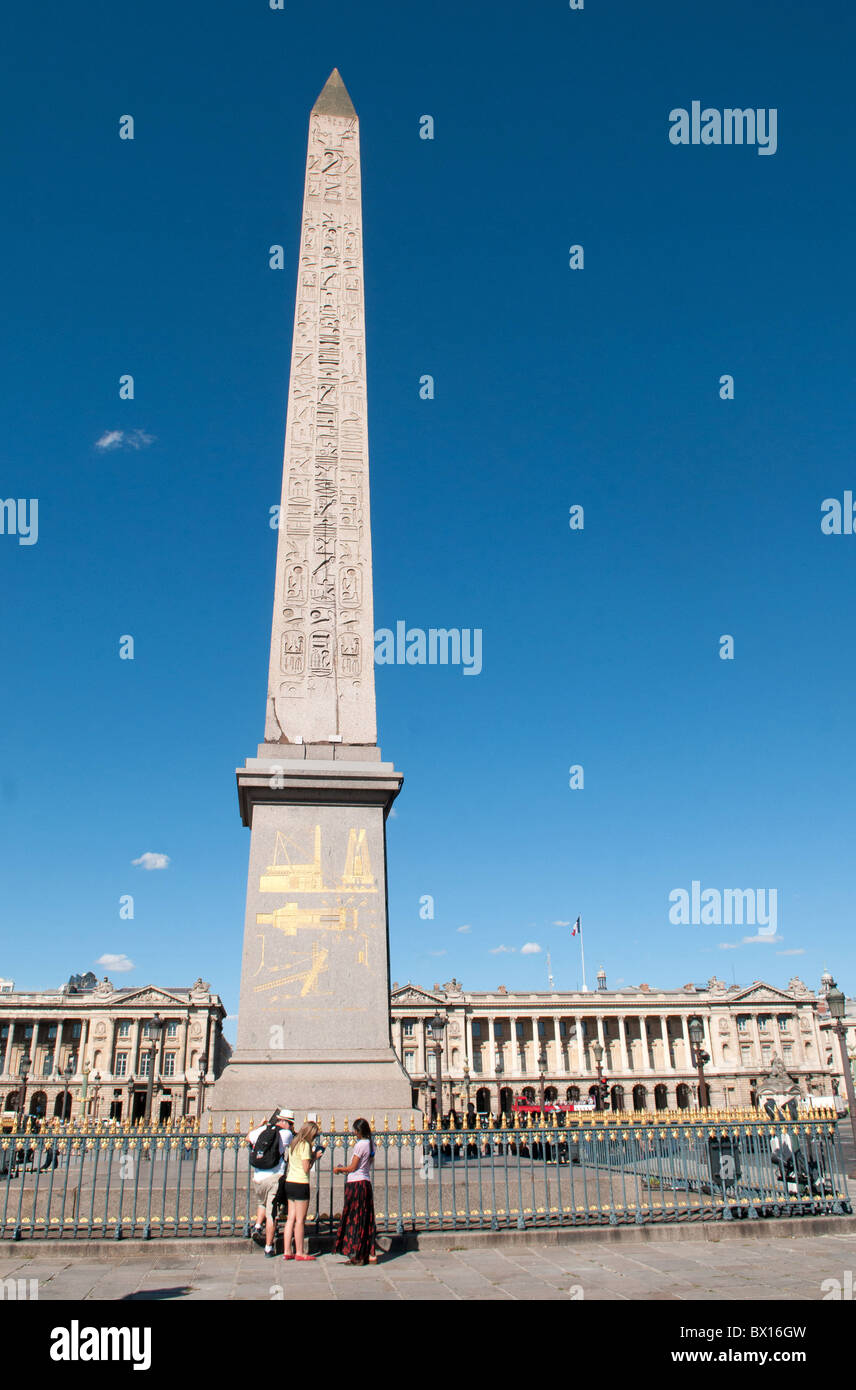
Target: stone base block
column 379, row 1090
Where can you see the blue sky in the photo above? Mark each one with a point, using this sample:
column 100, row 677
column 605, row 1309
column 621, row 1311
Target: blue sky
column 553, row 387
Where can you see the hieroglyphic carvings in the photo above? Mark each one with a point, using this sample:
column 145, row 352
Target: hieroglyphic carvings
column 322, row 641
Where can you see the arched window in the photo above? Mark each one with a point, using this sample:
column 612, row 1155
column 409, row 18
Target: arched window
column 661, row 1097
column 551, row 1093
column 683, row 1096
column 572, row 1094
column 11, row 1102
column 38, row 1104
column 529, row 1094
column 617, row 1097
column 506, row 1100
column 483, row 1100
column 640, row 1098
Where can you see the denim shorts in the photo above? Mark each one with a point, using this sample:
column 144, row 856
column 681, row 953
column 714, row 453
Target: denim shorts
column 296, row 1191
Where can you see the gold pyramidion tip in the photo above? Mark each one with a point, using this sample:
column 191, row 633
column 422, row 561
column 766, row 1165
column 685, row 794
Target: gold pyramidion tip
column 334, row 99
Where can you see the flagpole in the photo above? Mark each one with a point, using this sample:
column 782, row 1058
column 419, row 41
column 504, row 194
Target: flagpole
column 583, row 957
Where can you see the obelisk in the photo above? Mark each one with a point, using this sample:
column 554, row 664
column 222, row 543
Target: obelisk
column 313, row 1024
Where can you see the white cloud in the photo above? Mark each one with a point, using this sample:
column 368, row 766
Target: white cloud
column 794, row 951
column 760, row 940
column 729, row 945
column 438, row 953
column 151, row 861
column 117, row 964
column 502, row 950
column 118, row 439
column 561, row 924
column 110, row 439
column 530, row 949
column 465, row 927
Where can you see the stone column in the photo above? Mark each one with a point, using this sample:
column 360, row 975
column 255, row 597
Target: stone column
column 581, row 1057
column 468, row 1041
column 515, row 1050
column 687, row 1044
column 561, row 1069
column 668, row 1064
column 622, row 1038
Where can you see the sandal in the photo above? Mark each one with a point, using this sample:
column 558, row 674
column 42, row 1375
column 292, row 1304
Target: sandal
column 288, row 1257
column 304, row 1257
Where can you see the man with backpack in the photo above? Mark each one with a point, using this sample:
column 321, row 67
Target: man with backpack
column 268, row 1146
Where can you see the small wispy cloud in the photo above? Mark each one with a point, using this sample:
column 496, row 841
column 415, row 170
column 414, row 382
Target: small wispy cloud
column 438, row 953
column 560, row 924
column 502, row 950
column 124, row 439
column 760, row 940
column 465, row 927
column 118, row 964
column 530, row 949
column 729, row 945
column 794, row 951
column 151, row 861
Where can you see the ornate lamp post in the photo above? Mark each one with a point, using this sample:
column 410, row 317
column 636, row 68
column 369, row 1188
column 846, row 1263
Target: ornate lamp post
column 65, row 1074
column 203, row 1067
column 23, row 1072
column 542, row 1067
column 696, row 1032
column 437, row 1026
column 466, row 1085
column 597, row 1053
column 154, row 1028
column 836, row 1002
column 498, row 1068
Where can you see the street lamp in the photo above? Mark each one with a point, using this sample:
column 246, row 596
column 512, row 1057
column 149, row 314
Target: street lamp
column 65, row 1074
column 699, row 1058
column 203, row 1067
column 542, row 1067
column 836, row 1002
column 23, row 1072
column 467, row 1085
column 437, row 1026
column 597, row 1052
column 498, row 1068
column 154, row 1028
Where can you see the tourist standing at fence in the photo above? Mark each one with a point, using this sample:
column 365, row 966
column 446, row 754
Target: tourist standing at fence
column 303, row 1153
column 357, row 1231
column 268, row 1151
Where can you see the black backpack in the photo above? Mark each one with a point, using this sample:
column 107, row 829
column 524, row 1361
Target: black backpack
column 266, row 1153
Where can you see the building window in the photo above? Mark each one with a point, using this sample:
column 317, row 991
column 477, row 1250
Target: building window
column 121, row 1068
column 784, row 1021
column 477, row 1062
column 540, row 1028
column 764, row 1022
column 407, row 1027
column 75, row 1031
column 410, row 1061
column 563, row 1028
column 497, row 1030
column 522, row 1063
column 787, row 1051
column 124, row 1029
column 47, row 1064
column 746, row 1056
column 145, row 1063
column 172, row 1029
column 519, row 1027
column 168, row 1064
column 766, row 1053
column 743, row 1023
column 477, row 1028
column 52, row 1033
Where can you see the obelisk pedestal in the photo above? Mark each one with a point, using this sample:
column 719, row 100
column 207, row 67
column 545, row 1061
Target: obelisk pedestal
column 314, row 1025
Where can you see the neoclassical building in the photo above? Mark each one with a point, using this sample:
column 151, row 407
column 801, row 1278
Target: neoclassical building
column 88, row 1049
column 498, row 1046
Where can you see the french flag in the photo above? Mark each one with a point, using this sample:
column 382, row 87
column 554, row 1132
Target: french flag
column 577, row 928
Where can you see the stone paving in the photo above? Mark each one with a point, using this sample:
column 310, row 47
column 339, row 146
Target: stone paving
column 774, row 1269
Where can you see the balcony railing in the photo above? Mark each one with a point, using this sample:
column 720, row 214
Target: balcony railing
column 114, row 1182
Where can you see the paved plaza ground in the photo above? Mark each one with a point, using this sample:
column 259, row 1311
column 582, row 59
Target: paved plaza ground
column 782, row 1269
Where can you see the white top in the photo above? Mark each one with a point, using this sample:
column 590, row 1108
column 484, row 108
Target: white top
column 363, row 1170
column 285, row 1138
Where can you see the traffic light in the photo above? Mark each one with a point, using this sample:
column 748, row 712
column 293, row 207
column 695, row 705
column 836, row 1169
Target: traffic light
column 604, row 1094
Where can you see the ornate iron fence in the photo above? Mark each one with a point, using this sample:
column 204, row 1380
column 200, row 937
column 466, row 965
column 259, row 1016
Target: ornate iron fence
column 115, row 1182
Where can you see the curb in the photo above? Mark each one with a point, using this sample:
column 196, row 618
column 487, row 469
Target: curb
column 780, row 1228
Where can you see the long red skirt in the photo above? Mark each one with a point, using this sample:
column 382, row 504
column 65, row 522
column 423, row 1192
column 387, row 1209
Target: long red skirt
column 357, row 1230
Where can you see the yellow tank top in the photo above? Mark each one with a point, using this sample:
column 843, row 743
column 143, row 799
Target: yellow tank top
column 297, row 1156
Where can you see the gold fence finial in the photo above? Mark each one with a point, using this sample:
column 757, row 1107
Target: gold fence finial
column 386, row 1124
